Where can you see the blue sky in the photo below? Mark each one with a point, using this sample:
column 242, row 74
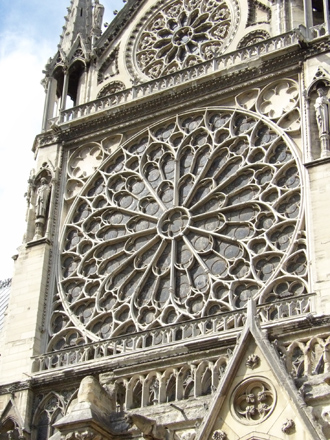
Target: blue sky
column 29, row 34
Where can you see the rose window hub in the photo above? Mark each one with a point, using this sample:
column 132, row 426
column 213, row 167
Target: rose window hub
column 183, row 36
column 186, row 220
column 173, row 223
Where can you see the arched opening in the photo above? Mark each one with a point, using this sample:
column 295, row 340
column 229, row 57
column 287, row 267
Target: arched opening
column 9, row 430
column 318, row 12
column 137, row 395
column 59, row 78
column 206, row 382
column 171, row 388
column 75, row 84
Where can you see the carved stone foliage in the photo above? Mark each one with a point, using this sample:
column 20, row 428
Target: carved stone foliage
column 253, row 400
column 219, row 435
column 288, row 426
column 174, row 220
column 253, row 361
column 111, row 88
column 183, row 33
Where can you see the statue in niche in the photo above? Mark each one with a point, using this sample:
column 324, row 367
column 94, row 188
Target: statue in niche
column 322, row 117
column 98, row 17
column 41, row 207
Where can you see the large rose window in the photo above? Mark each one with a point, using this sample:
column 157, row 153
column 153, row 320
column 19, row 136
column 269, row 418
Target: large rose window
column 188, row 219
column 183, row 33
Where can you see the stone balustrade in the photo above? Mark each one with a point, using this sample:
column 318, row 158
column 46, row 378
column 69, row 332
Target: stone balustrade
column 172, row 334
column 221, row 63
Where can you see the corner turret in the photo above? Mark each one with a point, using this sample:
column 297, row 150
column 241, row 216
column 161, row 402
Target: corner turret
column 67, row 72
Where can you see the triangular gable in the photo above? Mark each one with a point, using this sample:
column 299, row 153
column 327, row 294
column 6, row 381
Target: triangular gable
column 77, row 44
column 11, row 413
column 256, row 398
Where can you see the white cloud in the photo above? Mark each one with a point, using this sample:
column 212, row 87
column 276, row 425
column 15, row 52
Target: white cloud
column 22, row 59
column 22, row 96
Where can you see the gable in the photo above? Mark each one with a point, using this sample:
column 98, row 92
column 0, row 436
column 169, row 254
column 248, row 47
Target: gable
column 256, row 399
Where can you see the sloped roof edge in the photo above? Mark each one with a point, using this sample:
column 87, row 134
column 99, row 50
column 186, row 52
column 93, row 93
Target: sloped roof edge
column 117, row 24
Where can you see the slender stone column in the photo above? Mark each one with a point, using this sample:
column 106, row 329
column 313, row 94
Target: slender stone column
column 326, row 15
column 65, row 90
column 308, row 15
column 49, row 103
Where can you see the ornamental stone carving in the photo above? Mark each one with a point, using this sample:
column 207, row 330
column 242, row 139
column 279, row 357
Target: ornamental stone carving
column 219, row 435
column 278, row 98
column 253, row 361
column 174, row 220
column 288, row 426
column 149, row 427
column 322, row 114
column 183, row 33
column 41, row 207
column 253, row 400
column 97, row 17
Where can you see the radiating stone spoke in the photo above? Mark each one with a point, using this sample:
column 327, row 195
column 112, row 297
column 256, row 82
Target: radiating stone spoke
column 187, row 219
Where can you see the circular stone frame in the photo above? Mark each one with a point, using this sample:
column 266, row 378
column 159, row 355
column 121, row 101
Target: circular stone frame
column 253, row 400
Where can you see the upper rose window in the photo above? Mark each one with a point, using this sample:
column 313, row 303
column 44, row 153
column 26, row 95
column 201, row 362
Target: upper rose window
column 183, row 33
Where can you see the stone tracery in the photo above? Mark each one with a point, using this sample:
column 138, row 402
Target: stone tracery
column 254, row 400
column 181, row 34
column 174, row 220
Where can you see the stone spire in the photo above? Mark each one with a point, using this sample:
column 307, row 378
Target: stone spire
column 78, row 21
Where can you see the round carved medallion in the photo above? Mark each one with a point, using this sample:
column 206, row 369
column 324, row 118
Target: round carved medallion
column 253, row 400
column 187, row 219
column 183, row 33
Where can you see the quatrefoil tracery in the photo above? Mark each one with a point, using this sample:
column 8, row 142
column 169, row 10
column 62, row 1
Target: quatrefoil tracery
column 189, row 219
column 183, row 33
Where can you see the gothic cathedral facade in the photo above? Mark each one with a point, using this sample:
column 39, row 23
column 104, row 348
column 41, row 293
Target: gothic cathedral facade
column 174, row 278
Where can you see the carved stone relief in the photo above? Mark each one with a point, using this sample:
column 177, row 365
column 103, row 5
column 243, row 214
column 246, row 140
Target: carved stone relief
column 278, row 98
column 288, row 426
column 183, row 33
column 253, row 361
column 258, row 13
column 85, row 160
column 253, row 37
column 111, row 88
column 109, row 67
column 253, row 400
column 38, row 199
column 322, row 113
column 175, row 219
column 219, row 435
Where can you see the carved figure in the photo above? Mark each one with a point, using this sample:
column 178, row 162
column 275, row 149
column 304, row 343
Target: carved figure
column 322, row 111
column 41, row 204
column 323, row 121
column 98, row 15
column 43, row 192
column 149, row 427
